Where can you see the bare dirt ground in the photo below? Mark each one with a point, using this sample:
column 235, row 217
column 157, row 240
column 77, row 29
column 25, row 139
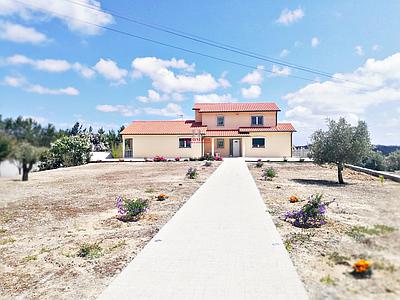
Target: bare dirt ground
column 324, row 256
column 44, row 222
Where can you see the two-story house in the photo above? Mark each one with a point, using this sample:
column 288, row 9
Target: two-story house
column 223, row 129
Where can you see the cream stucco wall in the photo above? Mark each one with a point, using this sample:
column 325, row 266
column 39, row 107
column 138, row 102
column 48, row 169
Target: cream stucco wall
column 165, row 145
column 277, row 144
column 236, row 120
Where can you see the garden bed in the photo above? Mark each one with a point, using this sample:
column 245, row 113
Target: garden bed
column 59, row 234
column 362, row 222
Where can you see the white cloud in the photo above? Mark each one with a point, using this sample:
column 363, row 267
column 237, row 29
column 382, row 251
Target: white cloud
column 253, row 92
column 110, row 70
column 20, row 34
column 314, row 42
column 280, row 71
column 255, row 77
column 214, row 98
column 288, row 17
column 48, row 65
column 165, row 80
column 376, row 47
column 21, row 82
column 45, row 10
column 154, row 97
column 171, row 110
column 376, row 83
column 359, row 50
column 284, row 53
column 125, row 110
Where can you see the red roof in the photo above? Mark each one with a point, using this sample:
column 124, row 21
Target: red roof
column 225, row 133
column 235, row 107
column 164, row 127
column 279, row 127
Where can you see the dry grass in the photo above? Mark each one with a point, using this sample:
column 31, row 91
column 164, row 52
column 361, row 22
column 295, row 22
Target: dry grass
column 59, row 236
column 363, row 222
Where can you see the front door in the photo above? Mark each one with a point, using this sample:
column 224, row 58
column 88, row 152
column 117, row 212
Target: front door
column 235, row 148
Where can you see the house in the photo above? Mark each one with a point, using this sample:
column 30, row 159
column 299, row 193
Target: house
column 222, row 129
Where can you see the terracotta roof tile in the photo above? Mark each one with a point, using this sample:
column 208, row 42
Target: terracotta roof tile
column 227, row 107
column 278, row 128
column 213, row 133
column 164, row 127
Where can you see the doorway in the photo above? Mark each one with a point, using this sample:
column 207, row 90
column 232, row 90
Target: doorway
column 235, row 147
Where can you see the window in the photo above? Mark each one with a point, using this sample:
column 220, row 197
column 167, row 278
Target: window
column 220, row 121
column 128, row 148
column 258, row 143
column 220, row 144
column 185, row 143
column 257, row 120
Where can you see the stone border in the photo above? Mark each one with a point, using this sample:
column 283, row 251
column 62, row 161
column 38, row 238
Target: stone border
column 374, row 173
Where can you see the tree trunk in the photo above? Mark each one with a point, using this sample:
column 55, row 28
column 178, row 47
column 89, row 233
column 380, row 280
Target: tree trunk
column 25, row 170
column 340, row 168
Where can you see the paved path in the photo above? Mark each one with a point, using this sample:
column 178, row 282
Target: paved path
column 222, row 244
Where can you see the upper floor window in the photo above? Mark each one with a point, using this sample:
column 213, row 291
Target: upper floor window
column 185, row 143
column 257, row 120
column 220, row 121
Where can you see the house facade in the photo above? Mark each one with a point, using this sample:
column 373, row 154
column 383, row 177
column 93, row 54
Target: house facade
column 221, row 129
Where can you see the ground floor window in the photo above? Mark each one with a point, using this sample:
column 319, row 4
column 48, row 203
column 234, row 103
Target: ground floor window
column 258, row 142
column 128, row 147
column 220, row 144
column 185, row 143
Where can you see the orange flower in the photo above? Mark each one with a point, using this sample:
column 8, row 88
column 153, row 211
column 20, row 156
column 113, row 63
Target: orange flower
column 162, row 197
column 361, row 266
column 293, row 199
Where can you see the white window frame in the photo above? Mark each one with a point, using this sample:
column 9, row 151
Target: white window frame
column 257, row 120
column 259, row 137
column 185, row 143
column 223, row 123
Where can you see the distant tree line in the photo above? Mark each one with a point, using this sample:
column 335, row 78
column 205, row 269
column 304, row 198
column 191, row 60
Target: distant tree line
column 26, row 142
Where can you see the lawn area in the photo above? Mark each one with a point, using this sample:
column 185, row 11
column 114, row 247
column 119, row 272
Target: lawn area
column 362, row 222
column 47, row 221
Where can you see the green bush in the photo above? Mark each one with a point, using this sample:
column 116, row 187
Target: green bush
column 269, row 173
column 90, row 251
column 65, row 152
column 375, row 161
column 393, row 161
column 116, row 150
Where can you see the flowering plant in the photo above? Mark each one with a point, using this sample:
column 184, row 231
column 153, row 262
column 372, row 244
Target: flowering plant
column 269, row 173
column 191, row 173
column 293, row 199
column 362, row 268
column 131, row 209
column 259, row 163
column 218, row 158
column 162, row 197
column 177, row 158
column 159, row 158
column 312, row 214
column 208, row 163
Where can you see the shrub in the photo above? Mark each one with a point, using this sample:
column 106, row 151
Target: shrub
column 192, row 173
column 207, row 163
column 269, row 173
column 66, row 151
column 209, row 157
column 116, row 150
column 362, row 269
column 374, row 161
column 177, row 158
column 312, row 214
column 131, row 209
column 293, row 199
column 90, row 251
column 218, row 158
column 393, row 161
column 259, row 163
column 158, row 158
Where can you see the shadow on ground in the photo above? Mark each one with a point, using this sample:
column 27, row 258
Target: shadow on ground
column 318, row 182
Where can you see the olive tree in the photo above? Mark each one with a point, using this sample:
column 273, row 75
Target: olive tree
column 340, row 144
column 27, row 155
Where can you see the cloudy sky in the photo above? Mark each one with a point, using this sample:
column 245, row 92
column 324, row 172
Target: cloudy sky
column 78, row 60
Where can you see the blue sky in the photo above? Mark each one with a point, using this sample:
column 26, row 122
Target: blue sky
column 61, row 70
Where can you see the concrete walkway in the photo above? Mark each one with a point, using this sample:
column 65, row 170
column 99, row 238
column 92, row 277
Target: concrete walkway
column 222, row 244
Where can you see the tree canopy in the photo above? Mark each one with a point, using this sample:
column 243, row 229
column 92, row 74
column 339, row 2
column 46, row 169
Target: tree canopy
column 340, row 144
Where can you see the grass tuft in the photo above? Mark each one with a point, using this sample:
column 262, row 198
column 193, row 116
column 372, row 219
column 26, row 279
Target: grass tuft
column 90, row 251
